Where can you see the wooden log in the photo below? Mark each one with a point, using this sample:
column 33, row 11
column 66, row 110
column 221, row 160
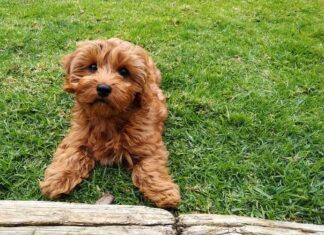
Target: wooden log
column 59, row 213
column 195, row 224
column 30, row 217
column 83, row 230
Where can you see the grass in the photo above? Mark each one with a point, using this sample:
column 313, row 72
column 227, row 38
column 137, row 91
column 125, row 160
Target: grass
column 244, row 81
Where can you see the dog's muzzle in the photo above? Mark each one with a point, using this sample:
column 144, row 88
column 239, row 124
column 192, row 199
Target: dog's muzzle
column 103, row 90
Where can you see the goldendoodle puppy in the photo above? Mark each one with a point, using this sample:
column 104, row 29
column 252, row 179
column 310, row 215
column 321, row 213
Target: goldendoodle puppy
column 118, row 117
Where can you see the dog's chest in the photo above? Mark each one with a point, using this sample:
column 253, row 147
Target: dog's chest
column 107, row 147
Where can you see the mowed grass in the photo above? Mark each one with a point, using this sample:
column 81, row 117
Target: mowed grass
column 244, row 80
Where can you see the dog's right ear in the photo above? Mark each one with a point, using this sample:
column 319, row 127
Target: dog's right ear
column 67, row 61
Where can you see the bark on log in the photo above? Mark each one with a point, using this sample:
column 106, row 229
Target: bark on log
column 59, row 213
column 195, row 224
column 83, row 230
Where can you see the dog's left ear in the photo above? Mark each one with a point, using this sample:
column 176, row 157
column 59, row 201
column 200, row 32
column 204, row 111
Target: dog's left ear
column 153, row 73
column 67, row 61
column 152, row 81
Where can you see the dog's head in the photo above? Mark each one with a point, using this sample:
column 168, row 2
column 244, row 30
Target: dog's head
column 109, row 76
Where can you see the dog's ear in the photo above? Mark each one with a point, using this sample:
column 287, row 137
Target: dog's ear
column 70, row 81
column 154, row 74
column 67, row 61
column 152, row 81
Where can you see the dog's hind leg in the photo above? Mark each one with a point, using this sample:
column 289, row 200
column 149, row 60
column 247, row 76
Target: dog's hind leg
column 71, row 164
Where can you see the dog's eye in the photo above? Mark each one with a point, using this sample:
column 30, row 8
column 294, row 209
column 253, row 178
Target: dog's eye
column 93, row 67
column 123, row 72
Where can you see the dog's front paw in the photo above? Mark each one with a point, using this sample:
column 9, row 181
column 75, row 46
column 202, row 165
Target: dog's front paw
column 169, row 198
column 59, row 183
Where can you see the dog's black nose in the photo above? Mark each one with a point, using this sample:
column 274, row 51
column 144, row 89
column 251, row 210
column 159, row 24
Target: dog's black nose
column 103, row 90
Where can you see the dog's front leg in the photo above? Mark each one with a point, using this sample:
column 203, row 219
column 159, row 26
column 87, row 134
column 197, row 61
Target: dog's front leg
column 70, row 165
column 152, row 178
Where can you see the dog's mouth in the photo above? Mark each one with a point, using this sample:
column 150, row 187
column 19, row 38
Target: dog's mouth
column 101, row 100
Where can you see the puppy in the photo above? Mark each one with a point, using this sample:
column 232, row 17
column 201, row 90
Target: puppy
column 118, row 117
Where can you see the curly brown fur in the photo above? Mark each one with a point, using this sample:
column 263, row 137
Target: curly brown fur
column 124, row 127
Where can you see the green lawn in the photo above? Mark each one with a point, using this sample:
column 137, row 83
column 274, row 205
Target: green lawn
column 245, row 87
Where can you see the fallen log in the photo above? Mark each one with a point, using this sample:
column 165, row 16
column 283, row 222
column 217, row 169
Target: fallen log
column 49, row 218
column 195, row 224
